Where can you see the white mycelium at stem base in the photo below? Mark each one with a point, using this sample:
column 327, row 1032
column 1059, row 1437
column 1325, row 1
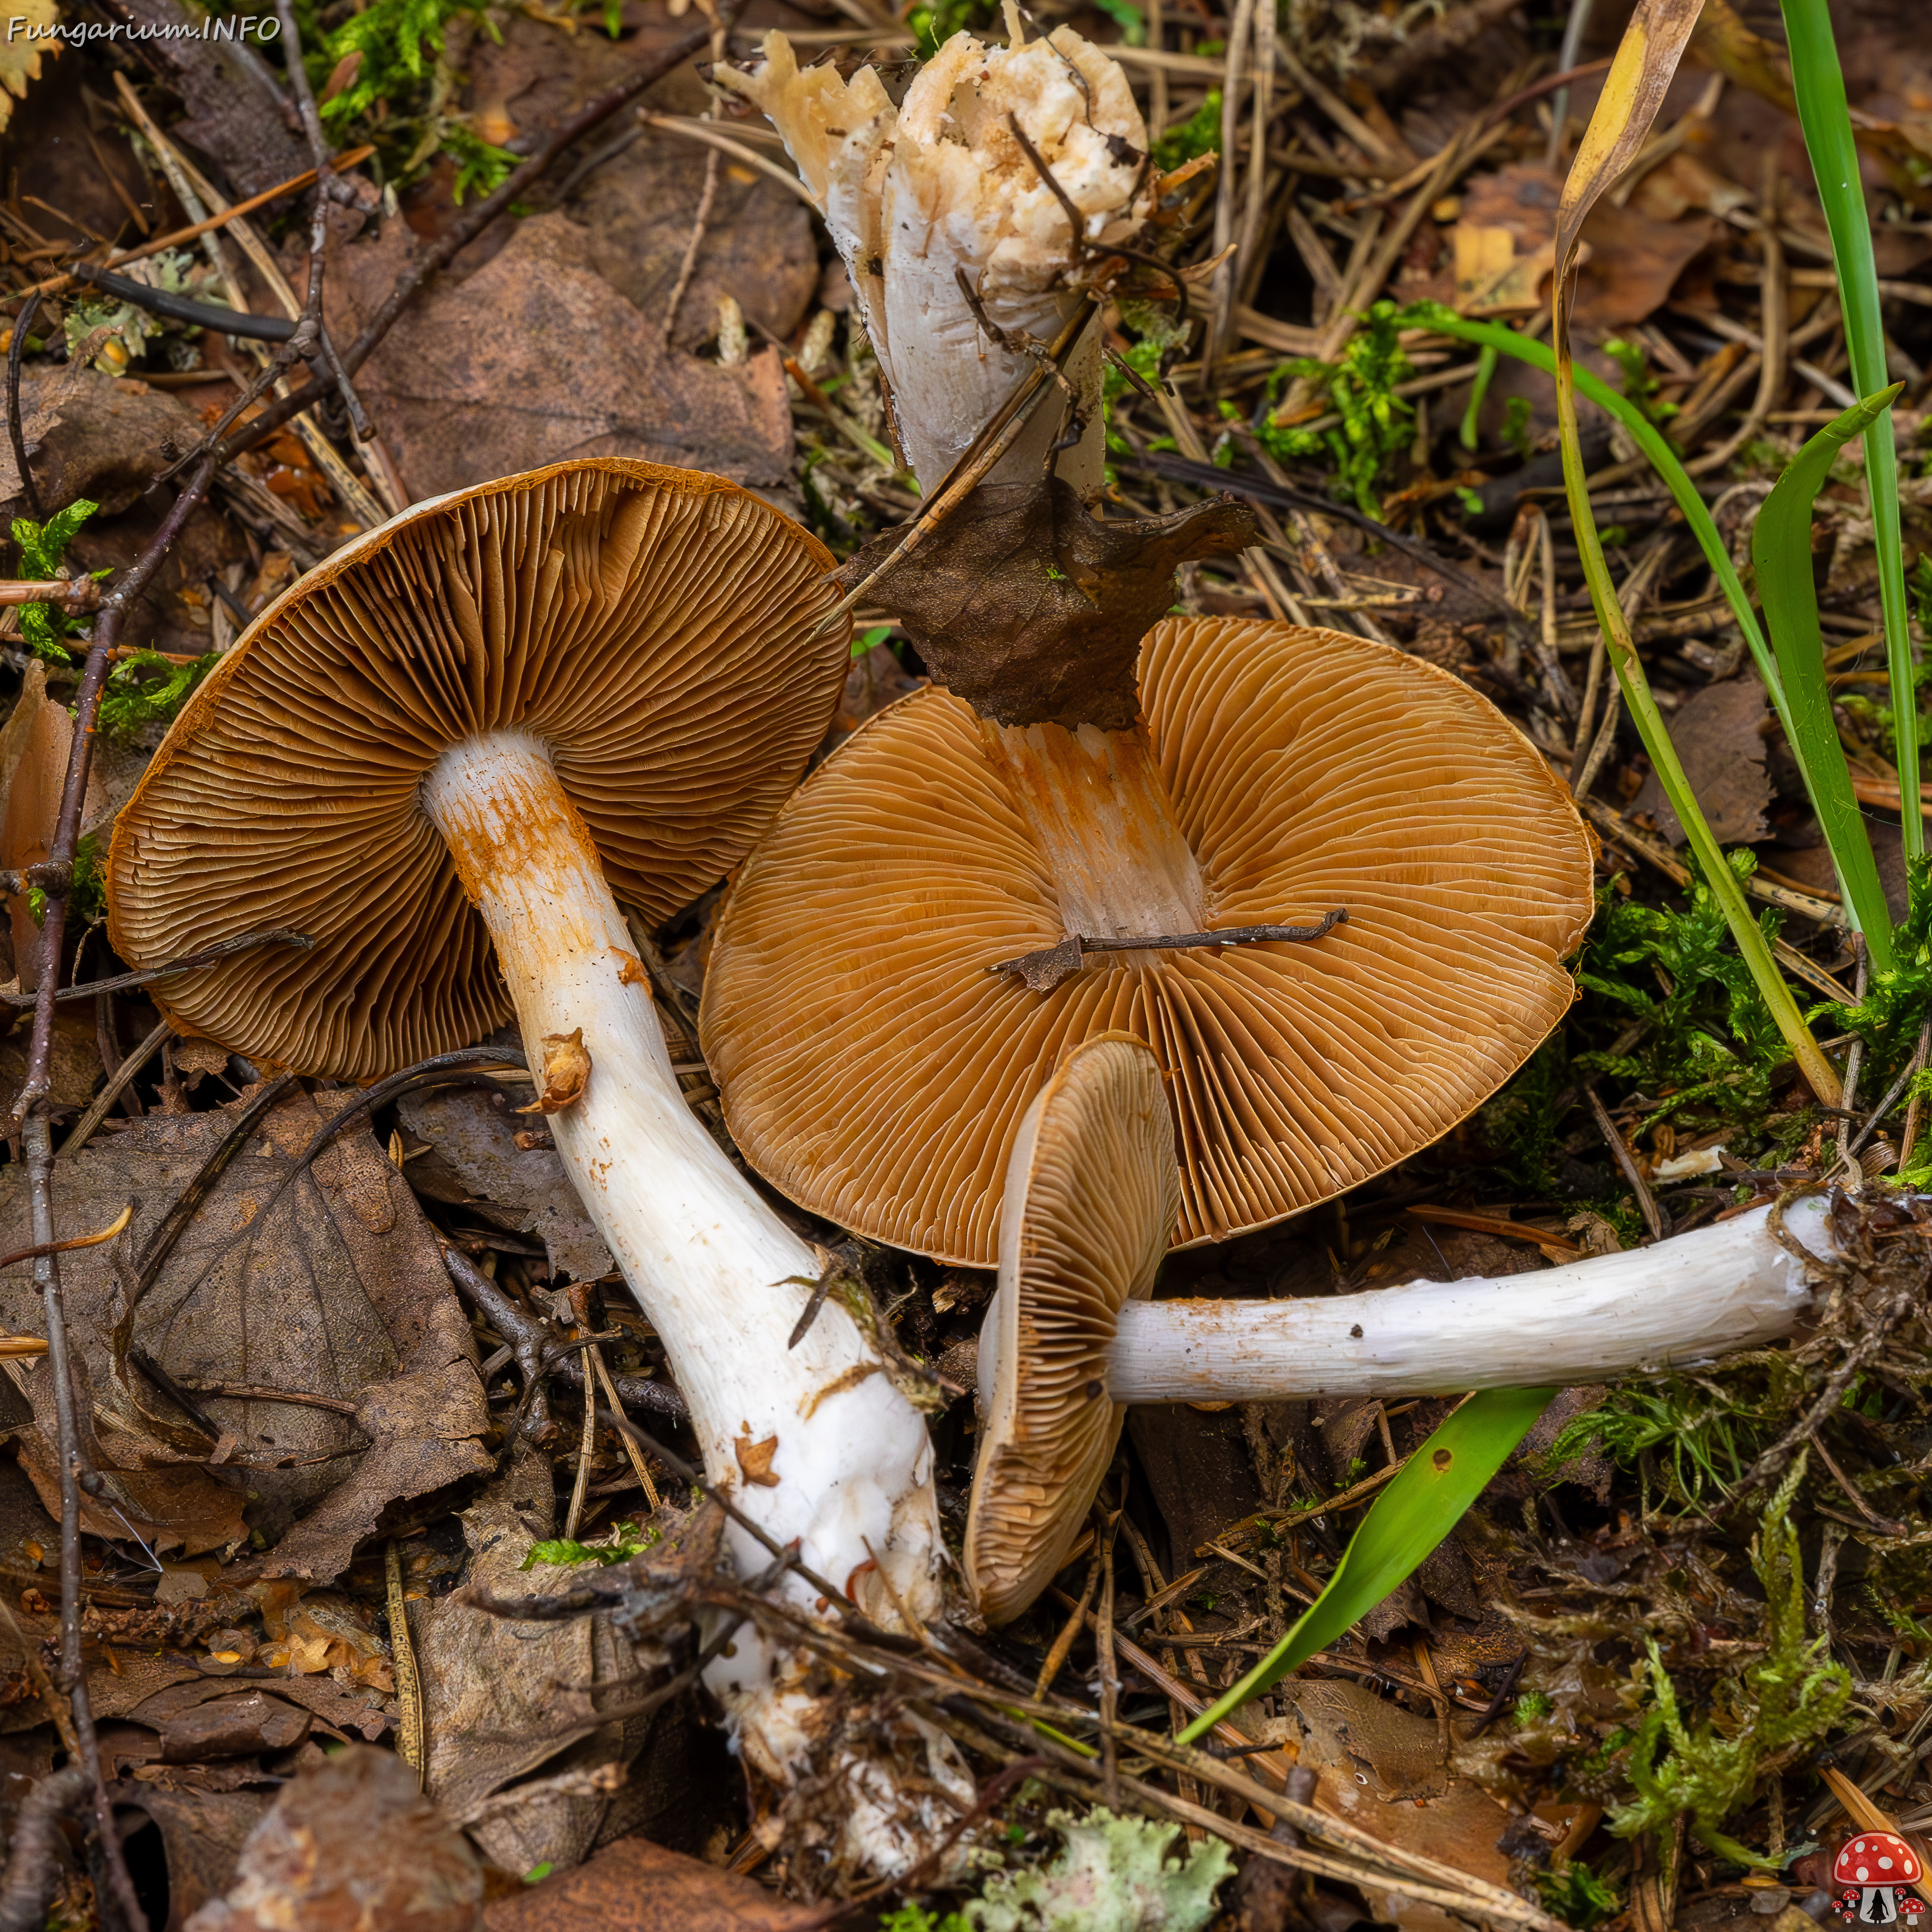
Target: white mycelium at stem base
column 1687, row 1300
column 813, row 1442
column 917, row 194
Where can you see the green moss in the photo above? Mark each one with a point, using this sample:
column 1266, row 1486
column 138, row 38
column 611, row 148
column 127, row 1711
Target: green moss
column 1376, row 424
column 1199, row 134
column 1791, row 1695
column 625, row 1540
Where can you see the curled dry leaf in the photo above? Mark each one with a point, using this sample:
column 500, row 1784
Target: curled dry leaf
column 755, row 1460
column 1025, row 606
column 566, row 1068
column 333, row 1287
column 201, row 1834
column 350, row 1845
column 37, row 735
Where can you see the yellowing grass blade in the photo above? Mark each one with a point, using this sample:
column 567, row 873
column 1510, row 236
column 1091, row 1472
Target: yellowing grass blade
column 1640, row 77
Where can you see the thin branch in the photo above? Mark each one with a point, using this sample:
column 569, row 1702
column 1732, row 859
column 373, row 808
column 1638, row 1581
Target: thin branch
column 325, row 181
column 192, row 962
column 14, row 431
column 178, row 308
column 1051, row 965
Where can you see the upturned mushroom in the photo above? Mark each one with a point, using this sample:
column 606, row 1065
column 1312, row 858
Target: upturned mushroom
column 441, row 754
column 1070, row 1340
column 1329, row 885
column 867, row 1010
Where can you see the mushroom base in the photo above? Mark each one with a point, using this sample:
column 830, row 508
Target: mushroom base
column 1687, row 1300
column 814, row 1443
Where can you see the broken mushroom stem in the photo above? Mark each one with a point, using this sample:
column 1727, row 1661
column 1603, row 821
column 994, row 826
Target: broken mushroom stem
column 1680, row 1302
column 817, row 1445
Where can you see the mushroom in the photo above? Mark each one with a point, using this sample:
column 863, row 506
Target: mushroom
column 1329, row 884
column 876, row 1062
column 1090, row 1198
column 941, row 189
column 441, row 753
column 1070, row 1339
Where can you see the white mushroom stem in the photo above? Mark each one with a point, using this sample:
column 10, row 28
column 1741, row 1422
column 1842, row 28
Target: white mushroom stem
column 815, row 1443
column 1687, row 1300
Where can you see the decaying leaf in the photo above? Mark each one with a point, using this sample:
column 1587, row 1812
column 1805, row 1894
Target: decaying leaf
column 1024, row 605
column 30, row 35
column 503, row 1698
column 1381, row 1767
column 335, row 1290
column 476, row 1163
column 536, row 359
column 566, row 1069
column 1719, row 733
column 201, row 1834
column 351, row 1844
column 634, row 1885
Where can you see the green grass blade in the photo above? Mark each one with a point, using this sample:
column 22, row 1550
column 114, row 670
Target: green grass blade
column 1696, row 517
column 1823, row 113
column 1422, row 1503
column 1486, row 369
column 1781, row 551
column 1650, row 440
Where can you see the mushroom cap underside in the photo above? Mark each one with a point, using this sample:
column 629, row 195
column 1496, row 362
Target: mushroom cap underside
column 877, row 1071
column 1091, row 1194
column 656, row 629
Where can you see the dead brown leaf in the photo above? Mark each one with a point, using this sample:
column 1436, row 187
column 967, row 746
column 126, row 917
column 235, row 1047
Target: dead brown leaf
column 637, row 212
column 502, row 1698
column 351, row 1845
column 337, row 1291
column 755, row 1460
column 91, row 435
column 475, row 1162
column 201, row 1834
column 636, row 1886
column 1381, row 1767
column 1505, row 242
column 1025, row 606
column 1719, row 734
column 536, row 359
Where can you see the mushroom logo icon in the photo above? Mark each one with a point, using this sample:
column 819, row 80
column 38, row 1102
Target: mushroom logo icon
column 1871, row 1875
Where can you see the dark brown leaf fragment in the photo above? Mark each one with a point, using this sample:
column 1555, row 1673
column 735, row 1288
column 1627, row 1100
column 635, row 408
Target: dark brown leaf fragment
column 1024, row 605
